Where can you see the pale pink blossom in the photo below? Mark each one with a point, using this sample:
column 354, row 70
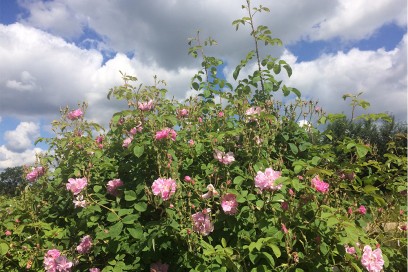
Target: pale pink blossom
column 79, row 202
column 221, row 114
column 75, row 114
column 145, row 106
column 350, row 250
column 266, row 180
column 164, row 187
column 182, row 112
column 320, row 185
column 202, row 222
column 55, row 262
column 76, row 185
column 372, row 260
column 253, row 111
column 35, row 173
column 229, row 204
column 136, row 129
column 362, row 209
column 99, row 141
column 113, row 186
column 200, row 119
column 159, row 267
column 211, row 192
column 190, row 142
column 126, row 142
column 94, row 269
column 85, row 245
column 187, row 179
column 7, row 233
column 166, row 133
column 225, row 158
column 63, row 265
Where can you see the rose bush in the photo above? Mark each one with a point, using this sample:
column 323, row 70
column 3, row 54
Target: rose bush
column 205, row 186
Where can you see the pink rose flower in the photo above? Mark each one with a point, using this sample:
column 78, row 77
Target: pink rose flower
column 126, row 142
column 53, row 262
column 372, row 260
column 229, row 204
column 202, row 223
column 225, row 158
column 85, row 245
column 113, row 186
column 75, row 114
column 190, row 142
column 187, row 179
column 159, row 267
column 35, row 174
column 79, row 202
column 183, row 112
column 362, row 209
column 63, row 265
column 266, row 180
column 211, row 192
column 76, row 185
column 7, row 233
column 164, row 187
column 145, row 106
column 99, row 141
column 221, row 114
column 320, row 185
column 166, row 134
column 350, row 250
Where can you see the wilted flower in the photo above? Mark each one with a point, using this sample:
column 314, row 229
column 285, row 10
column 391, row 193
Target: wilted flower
column 350, row 250
column 113, row 186
column 183, row 112
column 79, row 201
column 372, row 260
column 145, row 106
column 164, row 187
column 225, row 158
column 202, row 223
column 211, row 192
column 229, row 204
column 85, row 245
column 126, row 142
column 75, row 114
column 266, row 180
column 76, row 185
column 320, row 185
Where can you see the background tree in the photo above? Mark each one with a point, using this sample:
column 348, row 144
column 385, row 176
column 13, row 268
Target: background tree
column 11, row 180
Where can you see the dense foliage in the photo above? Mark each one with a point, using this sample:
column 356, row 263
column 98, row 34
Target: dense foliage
column 205, row 186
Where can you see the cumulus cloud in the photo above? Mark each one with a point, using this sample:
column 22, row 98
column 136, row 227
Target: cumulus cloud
column 380, row 74
column 22, row 137
column 9, row 158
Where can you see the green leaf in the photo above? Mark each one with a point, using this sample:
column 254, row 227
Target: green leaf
column 130, row 219
column 112, row 217
column 3, row 248
column 293, row 148
column 97, row 188
column 115, row 230
column 141, row 206
column 369, row 189
column 136, row 233
column 362, row 150
column 238, row 180
column 138, row 150
column 275, row 250
column 269, row 257
column 130, row 195
column 195, row 85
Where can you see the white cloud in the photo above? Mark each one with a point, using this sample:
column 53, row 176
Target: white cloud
column 22, row 137
column 9, row 158
column 380, row 74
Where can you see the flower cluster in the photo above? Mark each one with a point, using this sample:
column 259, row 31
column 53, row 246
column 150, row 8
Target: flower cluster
column 85, row 245
column 202, row 223
column 35, row 174
column 76, row 185
column 266, row 180
column 164, row 187
column 113, row 186
column 75, row 114
column 145, row 106
column 229, row 204
column 55, row 262
column 225, row 158
column 320, row 185
column 166, row 134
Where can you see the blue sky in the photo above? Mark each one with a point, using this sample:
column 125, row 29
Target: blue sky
column 56, row 53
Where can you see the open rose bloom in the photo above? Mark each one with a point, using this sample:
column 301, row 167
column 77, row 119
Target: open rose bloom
column 202, row 222
column 35, row 173
column 113, row 186
column 75, row 114
column 145, row 106
column 266, row 180
column 166, row 133
column 85, row 245
column 225, row 158
column 372, row 260
column 229, row 204
column 164, row 187
column 76, row 185
column 320, row 185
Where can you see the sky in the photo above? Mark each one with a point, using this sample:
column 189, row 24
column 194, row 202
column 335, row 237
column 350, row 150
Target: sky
column 58, row 53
